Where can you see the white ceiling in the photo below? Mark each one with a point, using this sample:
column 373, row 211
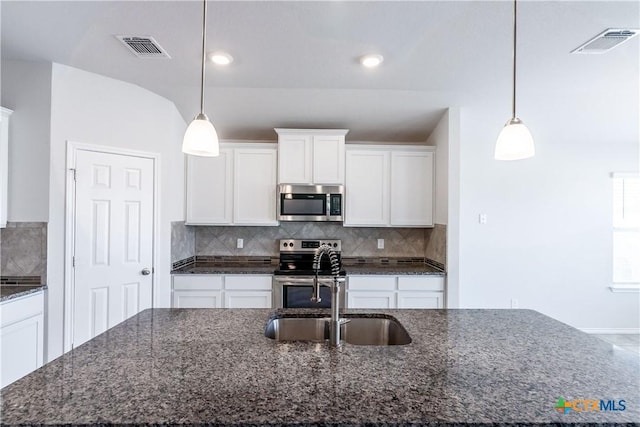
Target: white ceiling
column 296, row 62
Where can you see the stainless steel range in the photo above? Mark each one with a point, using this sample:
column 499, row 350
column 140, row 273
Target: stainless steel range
column 293, row 280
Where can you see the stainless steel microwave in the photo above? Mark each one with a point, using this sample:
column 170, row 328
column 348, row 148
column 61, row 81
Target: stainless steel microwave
column 310, row 202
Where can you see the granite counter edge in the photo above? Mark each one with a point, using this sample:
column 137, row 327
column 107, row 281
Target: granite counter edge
column 22, row 293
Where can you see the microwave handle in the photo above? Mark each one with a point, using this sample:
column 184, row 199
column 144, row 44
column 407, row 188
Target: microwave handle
column 328, row 204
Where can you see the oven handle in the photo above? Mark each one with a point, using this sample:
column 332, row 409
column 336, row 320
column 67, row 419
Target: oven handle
column 309, row 281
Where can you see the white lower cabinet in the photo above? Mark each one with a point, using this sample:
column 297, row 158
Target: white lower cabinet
column 388, row 291
column 21, row 336
column 221, row 291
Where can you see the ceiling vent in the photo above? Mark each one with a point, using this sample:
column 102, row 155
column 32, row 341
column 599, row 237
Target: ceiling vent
column 143, row 46
column 606, row 40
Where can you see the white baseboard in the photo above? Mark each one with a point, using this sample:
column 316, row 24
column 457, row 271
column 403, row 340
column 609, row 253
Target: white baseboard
column 618, row 331
column 625, row 288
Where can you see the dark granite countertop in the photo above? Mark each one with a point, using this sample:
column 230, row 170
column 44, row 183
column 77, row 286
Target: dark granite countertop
column 9, row 292
column 252, row 268
column 397, row 269
column 226, row 269
column 214, row 366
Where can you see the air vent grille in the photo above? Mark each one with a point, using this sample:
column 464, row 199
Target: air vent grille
column 606, row 41
column 143, row 46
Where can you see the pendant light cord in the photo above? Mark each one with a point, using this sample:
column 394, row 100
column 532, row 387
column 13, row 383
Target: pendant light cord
column 204, row 57
column 515, row 28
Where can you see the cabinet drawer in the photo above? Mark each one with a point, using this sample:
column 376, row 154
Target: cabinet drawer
column 420, row 300
column 197, row 299
column 421, row 283
column 372, row 283
column 190, row 282
column 18, row 309
column 248, row 282
column 371, row 299
column 247, row 299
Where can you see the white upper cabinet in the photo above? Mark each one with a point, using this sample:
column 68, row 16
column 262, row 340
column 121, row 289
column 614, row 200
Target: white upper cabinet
column 412, row 186
column 255, row 186
column 236, row 188
column 295, row 159
column 311, row 156
column 367, row 188
column 210, row 188
column 389, row 186
column 4, row 164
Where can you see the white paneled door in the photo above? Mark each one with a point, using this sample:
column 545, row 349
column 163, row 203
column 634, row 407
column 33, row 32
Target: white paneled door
column 113, row 240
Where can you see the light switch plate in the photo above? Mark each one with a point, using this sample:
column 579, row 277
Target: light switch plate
column 380, row 243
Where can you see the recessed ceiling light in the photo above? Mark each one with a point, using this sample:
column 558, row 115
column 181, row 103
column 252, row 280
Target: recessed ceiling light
column 221, row 58
column 371, row 61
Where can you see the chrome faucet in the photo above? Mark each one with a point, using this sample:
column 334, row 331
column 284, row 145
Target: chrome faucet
column 334, row 327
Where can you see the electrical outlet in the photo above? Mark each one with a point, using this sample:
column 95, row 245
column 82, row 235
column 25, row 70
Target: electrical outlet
column 482, row 218
column 240, row 244
column 514, row 303
column 380, row 243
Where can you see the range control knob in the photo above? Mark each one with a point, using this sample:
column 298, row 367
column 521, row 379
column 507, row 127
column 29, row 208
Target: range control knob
column 335, row 245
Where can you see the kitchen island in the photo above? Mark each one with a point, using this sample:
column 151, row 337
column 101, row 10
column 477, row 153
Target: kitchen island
column 215, row 366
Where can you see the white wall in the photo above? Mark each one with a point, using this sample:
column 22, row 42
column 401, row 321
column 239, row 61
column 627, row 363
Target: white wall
column 548, row 239
column 93, row 109
column 26, row 89
column 439, row 138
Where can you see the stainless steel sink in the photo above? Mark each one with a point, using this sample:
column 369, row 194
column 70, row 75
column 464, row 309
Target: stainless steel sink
column 298, row 329
column 375, row 331
column 357, row 330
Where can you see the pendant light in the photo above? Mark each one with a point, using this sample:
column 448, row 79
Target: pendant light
column 515, row 141
column 200, row 138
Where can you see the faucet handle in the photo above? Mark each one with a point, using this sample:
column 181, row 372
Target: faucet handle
column 315, row 297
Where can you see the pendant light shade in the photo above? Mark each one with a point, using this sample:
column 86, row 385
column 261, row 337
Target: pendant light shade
column 515, row 141
column 201, row 138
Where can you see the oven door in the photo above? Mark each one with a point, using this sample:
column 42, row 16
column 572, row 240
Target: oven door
column 296, row 292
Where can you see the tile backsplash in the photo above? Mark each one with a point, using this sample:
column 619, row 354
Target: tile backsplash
column 183, row 241
column 23, row 249
column 436, row 243
column 188, row 241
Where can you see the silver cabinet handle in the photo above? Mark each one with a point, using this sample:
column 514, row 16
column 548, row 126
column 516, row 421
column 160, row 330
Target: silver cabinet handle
column 145, row 272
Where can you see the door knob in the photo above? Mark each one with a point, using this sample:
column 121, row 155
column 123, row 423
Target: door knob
column 145, row 272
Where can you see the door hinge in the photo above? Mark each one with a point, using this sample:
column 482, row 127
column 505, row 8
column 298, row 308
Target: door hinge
column 73, row 261
column 73, row 170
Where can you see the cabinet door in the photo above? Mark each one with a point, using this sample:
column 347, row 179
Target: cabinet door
column 411, row 188
column 371, row 299
column 420, row 299
column 21, row 337
column 367, row 188
column 328, row 159
column 210, row 189
column 294, row 159
column 255, row 186
column 21, row 348
column 197, row 299
column 247, row 299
